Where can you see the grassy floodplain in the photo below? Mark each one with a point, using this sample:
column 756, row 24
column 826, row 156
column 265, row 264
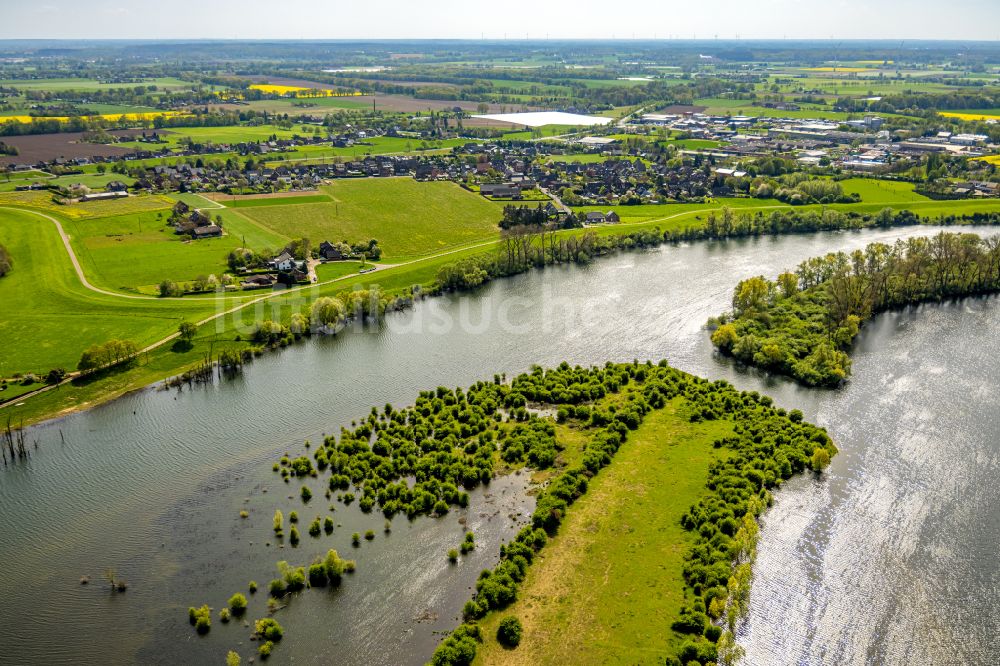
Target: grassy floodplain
column 135, row 252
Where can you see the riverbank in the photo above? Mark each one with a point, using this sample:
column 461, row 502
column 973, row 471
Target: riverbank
column 229, row 329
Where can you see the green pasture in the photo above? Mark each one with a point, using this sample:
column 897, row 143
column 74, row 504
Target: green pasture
column 407, row 217
column 881, row 191
column 276, row 201
column 743, row 107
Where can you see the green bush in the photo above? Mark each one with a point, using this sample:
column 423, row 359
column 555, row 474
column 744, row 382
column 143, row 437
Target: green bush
column 509, row 632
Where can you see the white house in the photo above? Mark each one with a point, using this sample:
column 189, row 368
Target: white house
column 284, row 262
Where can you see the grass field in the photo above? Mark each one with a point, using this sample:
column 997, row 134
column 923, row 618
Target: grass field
column 692, row 144
column 607, row 587
column 49, row 318
column 335, row 269
column 743, row 107
column 16, row 389
column 877, row 191
column 408, row 218
column 233, row 134
column 293, row 107
column 544, row 130
column 276, row 201
column 93, row 181
column 136, row 252
column 21, row 176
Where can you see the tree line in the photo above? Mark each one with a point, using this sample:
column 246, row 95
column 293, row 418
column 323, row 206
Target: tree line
column 803, row 324
column 534, row 246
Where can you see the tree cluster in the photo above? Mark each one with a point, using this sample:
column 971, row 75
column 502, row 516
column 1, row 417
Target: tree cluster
column 109, row 354
column 803, row 324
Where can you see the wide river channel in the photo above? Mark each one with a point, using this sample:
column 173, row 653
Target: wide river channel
column 891, row 558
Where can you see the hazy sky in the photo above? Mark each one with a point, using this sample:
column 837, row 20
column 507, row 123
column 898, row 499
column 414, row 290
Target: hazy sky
column 335, row 19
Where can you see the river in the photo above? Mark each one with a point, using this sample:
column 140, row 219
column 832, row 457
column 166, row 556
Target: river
column 889, row 559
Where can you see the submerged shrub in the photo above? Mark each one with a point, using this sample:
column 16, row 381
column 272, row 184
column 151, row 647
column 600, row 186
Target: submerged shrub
column 201, row 618
column 238, row 603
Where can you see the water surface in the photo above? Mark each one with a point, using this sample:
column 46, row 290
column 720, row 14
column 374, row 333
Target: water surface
column 890, row 559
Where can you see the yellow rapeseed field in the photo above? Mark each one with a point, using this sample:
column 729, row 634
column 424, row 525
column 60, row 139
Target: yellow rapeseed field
column 969, row 116
column 105, row 116
column 299, row 91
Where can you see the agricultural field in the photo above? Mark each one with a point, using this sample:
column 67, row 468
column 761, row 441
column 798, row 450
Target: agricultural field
column 545, row 131
column 92, row 180
column 742, row 107
column 80, row 84
column 292, row 107
column 257, row 202
column 53, row 317
column 131, row 115
column 614, row 571
column 36, row 148
column 142, row 203
column 973, row 114
column 692, row 144
column 234, row 134
column 407, row 217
